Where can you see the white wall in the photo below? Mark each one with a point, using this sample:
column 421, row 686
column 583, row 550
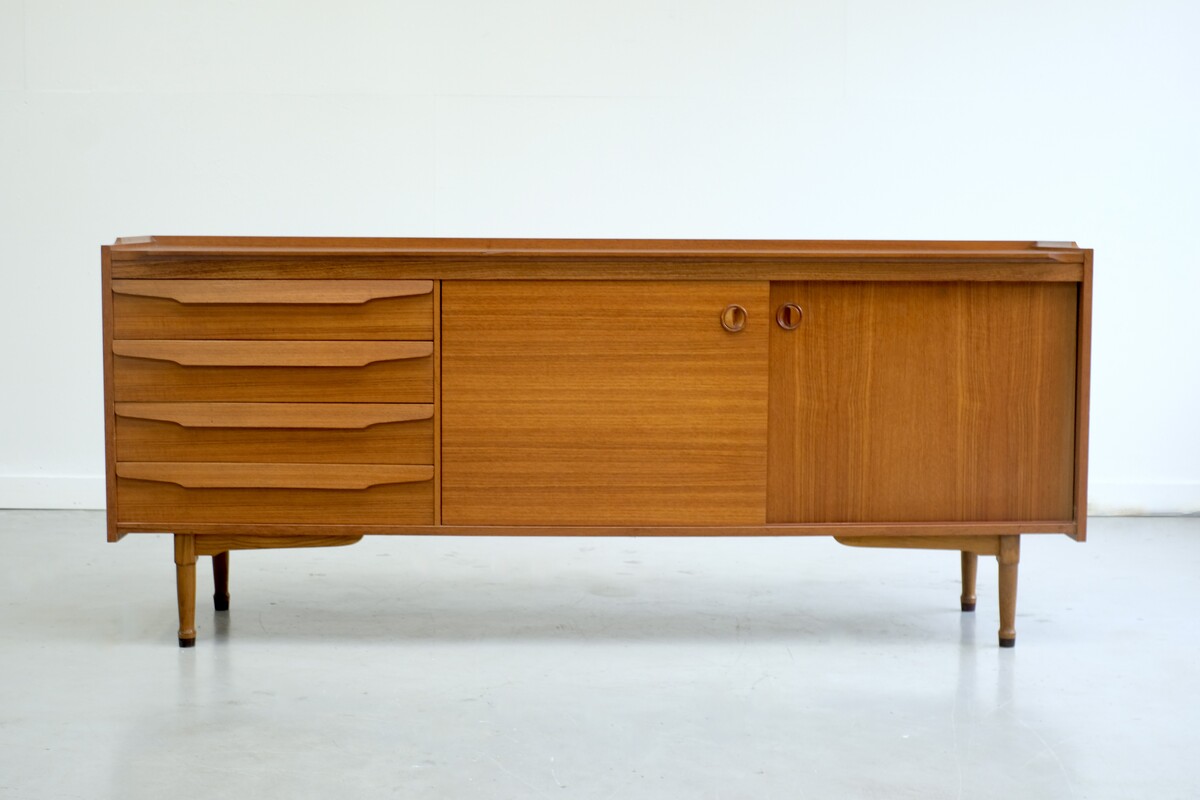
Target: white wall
column 823, row 119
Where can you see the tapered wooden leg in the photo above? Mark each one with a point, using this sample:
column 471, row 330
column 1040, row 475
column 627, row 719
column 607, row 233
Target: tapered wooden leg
column 221, row 581
column 970, row 565
column 185, row 587
column 1010, row 555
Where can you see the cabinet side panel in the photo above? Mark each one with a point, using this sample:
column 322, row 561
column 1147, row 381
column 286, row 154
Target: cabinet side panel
column 110, row 421
column 437, row 402
column 923, row 402
column 602, row 403
column 1083, row 395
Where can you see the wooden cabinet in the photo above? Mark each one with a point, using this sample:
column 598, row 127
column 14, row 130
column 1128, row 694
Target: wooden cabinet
column 295, row 392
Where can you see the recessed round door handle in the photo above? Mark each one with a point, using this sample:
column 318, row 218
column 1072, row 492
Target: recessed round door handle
column 733, row 318
column 788, row 316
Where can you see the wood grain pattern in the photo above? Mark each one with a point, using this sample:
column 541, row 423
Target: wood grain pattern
column 148, row 380
column 408, row 442
column 602, row 403
column 923, row 402
column 229, row 475
column 156, row 505
column 269, row 309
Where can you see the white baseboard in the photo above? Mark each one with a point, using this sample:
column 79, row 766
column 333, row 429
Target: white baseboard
column 1105, row 499
column 52, row 491
column 1143, row 499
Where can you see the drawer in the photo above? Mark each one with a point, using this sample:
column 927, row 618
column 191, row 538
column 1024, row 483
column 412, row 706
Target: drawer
column 247, row 309
column 364, row 433
column 151, row 370
column 171, row 494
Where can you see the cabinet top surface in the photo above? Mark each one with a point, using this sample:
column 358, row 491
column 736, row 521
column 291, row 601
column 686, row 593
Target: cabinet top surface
column 151, row 246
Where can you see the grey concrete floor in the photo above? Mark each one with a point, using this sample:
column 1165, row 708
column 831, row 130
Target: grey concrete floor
column 599, row 668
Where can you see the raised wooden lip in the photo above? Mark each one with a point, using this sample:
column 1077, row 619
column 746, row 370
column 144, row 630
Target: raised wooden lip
column 324, row 416
column 225, row 475
column 130, row 248
column 247, row 353
column 271, row 292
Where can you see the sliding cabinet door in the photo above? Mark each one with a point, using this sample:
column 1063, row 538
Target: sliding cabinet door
column 919, row 402
column 604, row 403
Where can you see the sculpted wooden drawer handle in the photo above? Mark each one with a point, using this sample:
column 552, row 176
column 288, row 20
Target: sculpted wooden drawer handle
column 200, row 353
column 312, row 292
column 326, row 416
column 733, row 318
column 789, row 316
column 207, row 475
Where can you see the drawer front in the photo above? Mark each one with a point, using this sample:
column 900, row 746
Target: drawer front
column 173, row 494
column 215, row 371
column 232, row 309
column 276, row 432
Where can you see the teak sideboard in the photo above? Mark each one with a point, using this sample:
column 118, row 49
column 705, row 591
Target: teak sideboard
column 285, row 392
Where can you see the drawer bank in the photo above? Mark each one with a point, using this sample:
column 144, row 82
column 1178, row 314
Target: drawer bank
column 283, row 392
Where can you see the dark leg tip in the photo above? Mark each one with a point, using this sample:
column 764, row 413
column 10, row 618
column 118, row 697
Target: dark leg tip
column 1008, row 642
column 221, row 602
column 187, row 642
column 968, row 606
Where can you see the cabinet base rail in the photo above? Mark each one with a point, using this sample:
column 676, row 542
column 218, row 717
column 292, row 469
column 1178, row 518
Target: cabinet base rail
column 188, row 547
